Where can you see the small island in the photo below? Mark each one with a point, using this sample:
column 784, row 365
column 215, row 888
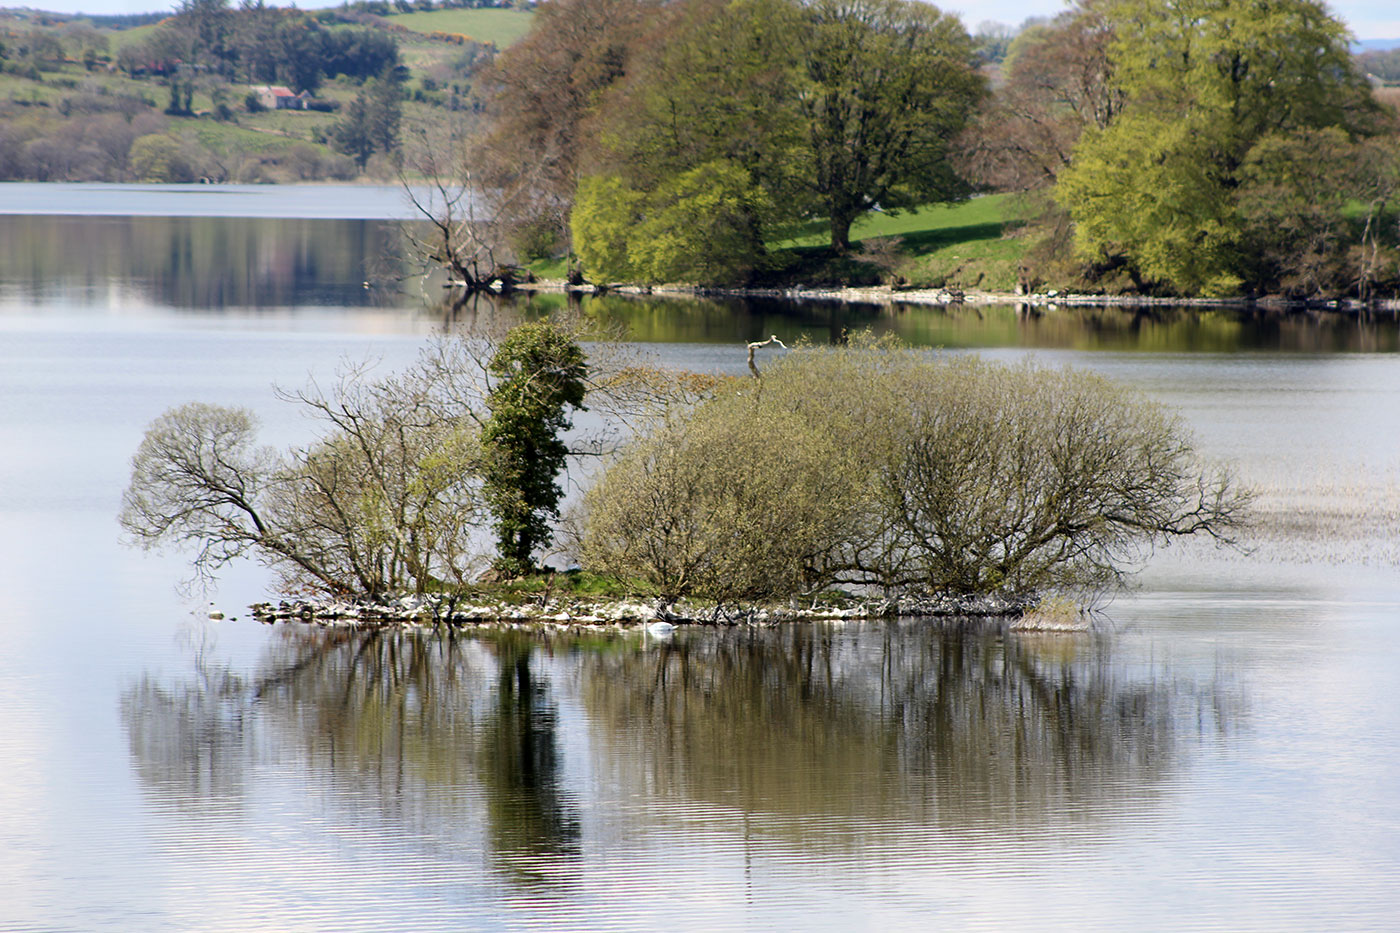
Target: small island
column 860, row 480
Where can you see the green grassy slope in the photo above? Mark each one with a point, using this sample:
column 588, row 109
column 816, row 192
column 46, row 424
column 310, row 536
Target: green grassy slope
column 966, row 245
column 503, row 27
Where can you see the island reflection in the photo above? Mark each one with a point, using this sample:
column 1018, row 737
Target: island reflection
column 836, row 736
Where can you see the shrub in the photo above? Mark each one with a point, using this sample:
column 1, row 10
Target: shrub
column 738, row 502
column 883, row 468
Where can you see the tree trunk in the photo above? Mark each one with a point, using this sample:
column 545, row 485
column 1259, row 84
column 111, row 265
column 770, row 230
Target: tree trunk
column 841, row 221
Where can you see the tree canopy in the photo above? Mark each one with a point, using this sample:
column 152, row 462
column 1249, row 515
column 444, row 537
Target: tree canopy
column 1205, row 82
column 795, row 110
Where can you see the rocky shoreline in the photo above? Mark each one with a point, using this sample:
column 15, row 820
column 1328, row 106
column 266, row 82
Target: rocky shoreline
column 889, row 295
column 432, row 612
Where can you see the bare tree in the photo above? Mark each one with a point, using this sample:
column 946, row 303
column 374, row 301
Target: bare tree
column 462, row 221
column 387, row 500
column 1058, row 82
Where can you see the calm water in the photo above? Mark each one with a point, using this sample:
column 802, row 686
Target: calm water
column 1223, row 754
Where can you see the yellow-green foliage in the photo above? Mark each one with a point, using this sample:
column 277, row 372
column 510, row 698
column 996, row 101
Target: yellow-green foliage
column 604, row 220
column 698, row 227
column 160, row 158
column 1205, row 81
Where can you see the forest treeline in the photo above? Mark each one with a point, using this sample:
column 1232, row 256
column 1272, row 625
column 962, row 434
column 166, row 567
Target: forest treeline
column 1185, row 147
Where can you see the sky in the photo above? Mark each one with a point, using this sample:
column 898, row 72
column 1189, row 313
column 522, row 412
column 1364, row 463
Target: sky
column 1368, row 19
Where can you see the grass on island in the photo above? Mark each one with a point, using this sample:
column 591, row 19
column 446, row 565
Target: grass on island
column 579, row 584
column 503, row 27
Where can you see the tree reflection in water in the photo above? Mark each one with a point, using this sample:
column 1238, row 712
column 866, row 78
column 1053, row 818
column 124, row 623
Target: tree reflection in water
column 899, row 722
column 835, row 735
column 437, row 734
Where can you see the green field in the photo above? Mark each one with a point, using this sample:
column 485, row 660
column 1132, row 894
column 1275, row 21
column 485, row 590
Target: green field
column 966, row 245
column 503, row 27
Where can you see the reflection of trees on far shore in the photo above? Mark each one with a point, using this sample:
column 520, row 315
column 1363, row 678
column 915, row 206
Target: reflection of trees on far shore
column 1155, row 328
column 457, row 739
column 206, row 262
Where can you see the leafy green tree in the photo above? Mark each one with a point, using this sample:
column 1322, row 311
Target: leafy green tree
column 721, row 86
column 371, row 121
column 385, row 109
column 604, row 221
column 538, row 372
column 887, row 85
column 699, row 227
column 829, row 108
column 1205, row 81
column 208, row 24
column 352, row 134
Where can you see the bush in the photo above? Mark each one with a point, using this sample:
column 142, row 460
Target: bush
column 738, row 502
column 160, row 158
column 878, row 467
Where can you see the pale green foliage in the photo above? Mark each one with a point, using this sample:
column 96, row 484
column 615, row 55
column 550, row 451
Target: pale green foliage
column 1205, row 81
column 604, row 220
column 1149, row 189
column 160, row 158
column 879, row 467
column 699, row 227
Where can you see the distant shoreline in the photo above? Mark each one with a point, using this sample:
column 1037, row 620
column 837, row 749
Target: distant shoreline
column 887, row 295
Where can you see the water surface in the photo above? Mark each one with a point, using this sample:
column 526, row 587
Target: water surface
column 1221, row 754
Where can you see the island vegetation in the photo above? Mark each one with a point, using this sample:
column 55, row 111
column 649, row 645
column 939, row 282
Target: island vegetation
column 864, row 473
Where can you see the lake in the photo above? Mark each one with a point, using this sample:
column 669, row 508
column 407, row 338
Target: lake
column 1222, row 753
